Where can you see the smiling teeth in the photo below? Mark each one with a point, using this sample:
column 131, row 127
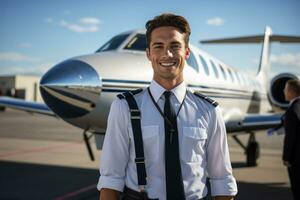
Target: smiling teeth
column 167, row 64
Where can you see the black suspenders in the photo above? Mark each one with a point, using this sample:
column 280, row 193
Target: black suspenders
column 135, row 116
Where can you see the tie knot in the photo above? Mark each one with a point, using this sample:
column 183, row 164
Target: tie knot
column 167, row 94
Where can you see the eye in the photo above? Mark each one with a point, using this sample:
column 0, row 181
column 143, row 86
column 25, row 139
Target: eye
column 157, row 46
column 176, row 46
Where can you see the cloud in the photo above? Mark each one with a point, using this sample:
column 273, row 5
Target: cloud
column 49, row 20
column 87, row 24
column 288, row 59
column 16, row 57
column 89, row 21
column 38, row 70
column 216, row 21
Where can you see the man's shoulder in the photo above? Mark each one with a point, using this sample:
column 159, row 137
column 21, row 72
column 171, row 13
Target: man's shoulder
column 120, row 103
column 295, row 107
column 131, row 92
column 203, row 98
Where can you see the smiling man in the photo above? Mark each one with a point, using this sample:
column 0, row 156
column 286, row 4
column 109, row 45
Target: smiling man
column 164, row 141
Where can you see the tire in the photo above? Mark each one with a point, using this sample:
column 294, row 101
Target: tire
column 252, row 153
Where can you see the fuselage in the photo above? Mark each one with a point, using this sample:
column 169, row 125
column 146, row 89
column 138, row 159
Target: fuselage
column 81, row 89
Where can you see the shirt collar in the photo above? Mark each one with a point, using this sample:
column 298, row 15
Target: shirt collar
column 292, row 101
column 157, row 91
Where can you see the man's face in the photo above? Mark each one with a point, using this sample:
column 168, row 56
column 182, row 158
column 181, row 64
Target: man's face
column 287, row 93
column 167, row 53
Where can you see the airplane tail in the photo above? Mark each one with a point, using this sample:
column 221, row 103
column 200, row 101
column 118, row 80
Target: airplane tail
column 266, row 39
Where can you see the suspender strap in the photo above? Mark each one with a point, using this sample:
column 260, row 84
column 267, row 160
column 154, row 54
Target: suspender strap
column 138, row 139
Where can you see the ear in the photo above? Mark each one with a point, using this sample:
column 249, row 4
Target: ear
column 148, row 53
column 187, row 53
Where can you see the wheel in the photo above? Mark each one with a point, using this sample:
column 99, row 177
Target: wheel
column 2, row 109
column 252, row 153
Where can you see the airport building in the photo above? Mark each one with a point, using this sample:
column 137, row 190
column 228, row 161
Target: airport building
column 21, row 86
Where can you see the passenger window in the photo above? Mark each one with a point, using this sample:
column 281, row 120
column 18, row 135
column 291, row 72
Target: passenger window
column 237, row 77
column 223, row 72
column 191, row 61
column 230, row 74
column 241, row 78
column 215, row 69
column 245, row 79
column 204, row 64
column 248, row 82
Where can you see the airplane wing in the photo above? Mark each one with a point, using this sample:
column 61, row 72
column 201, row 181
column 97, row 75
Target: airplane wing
column 251, row 122
column 29, row 106
column 254, row 122
column 253, row 39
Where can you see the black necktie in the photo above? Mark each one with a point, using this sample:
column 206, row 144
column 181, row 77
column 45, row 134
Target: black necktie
column 174, row 184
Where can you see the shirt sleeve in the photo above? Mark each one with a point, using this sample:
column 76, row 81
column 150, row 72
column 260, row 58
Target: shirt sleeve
column 115, row 151
column 218, row 161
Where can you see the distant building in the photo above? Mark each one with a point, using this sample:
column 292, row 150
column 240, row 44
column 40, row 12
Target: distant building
column 21, row 86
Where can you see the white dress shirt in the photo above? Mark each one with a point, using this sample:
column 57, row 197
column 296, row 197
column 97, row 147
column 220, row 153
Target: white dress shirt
column 202, row 145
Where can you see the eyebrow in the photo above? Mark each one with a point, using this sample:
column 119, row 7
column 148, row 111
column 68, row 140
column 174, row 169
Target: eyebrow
column 175, row 42
column 161, row 43
column 157, row 43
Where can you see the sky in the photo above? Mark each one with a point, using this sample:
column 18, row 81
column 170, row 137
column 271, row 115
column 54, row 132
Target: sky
column 35, row 35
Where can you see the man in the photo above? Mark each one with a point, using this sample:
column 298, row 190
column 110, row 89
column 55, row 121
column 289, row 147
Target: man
column 184, row 137
column 291, row 149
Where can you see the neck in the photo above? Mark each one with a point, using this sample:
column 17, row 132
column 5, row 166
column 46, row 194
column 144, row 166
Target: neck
column 169, row 84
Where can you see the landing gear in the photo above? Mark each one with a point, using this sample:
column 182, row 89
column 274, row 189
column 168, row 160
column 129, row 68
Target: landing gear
column 252, row 150
column 99, row 138
column 2, row 108
column 86, row 139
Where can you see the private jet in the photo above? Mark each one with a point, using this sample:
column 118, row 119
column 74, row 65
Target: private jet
column 81, row 89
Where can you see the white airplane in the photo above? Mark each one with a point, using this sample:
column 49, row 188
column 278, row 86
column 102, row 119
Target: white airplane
column 80, row 90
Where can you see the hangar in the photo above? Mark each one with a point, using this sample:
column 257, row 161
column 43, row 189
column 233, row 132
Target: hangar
column 21, row 86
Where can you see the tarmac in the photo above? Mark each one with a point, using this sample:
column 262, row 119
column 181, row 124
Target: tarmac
column 43, row 157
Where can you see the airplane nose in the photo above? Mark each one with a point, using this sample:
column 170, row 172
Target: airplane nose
column 71, row 88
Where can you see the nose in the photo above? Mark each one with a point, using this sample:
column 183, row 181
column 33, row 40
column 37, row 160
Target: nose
column 169, row 53
column 71, row 88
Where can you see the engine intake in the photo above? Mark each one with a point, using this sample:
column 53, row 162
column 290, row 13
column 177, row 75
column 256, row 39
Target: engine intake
column 276, row 94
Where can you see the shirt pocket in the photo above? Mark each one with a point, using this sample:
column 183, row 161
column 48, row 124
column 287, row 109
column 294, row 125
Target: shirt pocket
column 193, row 144
column 151, row 142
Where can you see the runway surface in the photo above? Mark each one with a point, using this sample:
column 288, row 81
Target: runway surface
column 45, row 158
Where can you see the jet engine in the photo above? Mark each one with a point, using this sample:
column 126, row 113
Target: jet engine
column 276, row 94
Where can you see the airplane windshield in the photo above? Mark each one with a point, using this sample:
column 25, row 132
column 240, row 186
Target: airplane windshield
column 138, row 43
column 113, row 43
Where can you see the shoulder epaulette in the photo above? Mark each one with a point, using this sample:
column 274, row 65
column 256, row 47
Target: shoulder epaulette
column 211, row 101
column 133, row 92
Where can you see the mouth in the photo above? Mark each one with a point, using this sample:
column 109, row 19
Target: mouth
column 167, row 64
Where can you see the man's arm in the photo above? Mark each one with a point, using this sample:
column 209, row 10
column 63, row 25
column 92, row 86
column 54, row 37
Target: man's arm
column 115, row 154
column 290, row 127
column 109, row 194
column 223, row 184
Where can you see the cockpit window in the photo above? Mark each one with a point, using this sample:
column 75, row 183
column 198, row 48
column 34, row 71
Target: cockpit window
column 113, row 43
column 138, row 43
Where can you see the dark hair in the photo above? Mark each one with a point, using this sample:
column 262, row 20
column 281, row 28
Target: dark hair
column 168, row 19
column 294, row 85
